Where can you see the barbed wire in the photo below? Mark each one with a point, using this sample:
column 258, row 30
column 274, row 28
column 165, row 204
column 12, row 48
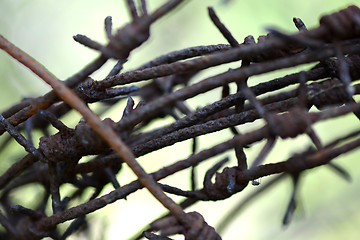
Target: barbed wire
column 329, row 86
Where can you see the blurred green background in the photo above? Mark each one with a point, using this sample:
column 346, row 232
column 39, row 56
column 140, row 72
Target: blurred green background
column 44, row 29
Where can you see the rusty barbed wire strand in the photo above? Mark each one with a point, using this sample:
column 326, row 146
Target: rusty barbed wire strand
column 21, row 139
column 179, row 136
column 216, row 125
column 49, row 98
column 330, row 152
column 241, row 205
column 75, row 102
column 183, row 54
column 197, row 64
column 198, row 130
column 106, row 132
column 326, row 86
column 16, row 168
column 17, row 107
column 327, row 27
column 321, row 31
column 45, row 101
column 246, row 138
column 217, row 106
column 189, row 65
column 279, row 104
column 202, row 128
column 221, row 79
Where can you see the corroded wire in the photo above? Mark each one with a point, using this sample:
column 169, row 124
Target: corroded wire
column 329, row 86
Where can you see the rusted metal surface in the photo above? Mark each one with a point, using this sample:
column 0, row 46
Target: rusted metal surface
column 329, row 86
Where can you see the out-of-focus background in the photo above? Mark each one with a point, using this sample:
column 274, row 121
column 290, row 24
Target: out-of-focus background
column 328, row 206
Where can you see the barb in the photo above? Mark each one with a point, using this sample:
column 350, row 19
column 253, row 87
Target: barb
column 239, row 207
column 144, row 7
column 292, row 203
column 21, row 139
column 7, row 225
column 132, row 9
column 84, row 40
column 224, row 31
column 108, row 26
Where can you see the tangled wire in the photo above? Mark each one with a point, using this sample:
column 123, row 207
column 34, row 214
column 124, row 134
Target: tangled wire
column 328, row 85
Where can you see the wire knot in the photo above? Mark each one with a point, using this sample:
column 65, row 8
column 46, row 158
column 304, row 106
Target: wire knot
column 344, row 24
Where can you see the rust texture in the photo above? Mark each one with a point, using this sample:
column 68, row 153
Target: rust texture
column 163, row 86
